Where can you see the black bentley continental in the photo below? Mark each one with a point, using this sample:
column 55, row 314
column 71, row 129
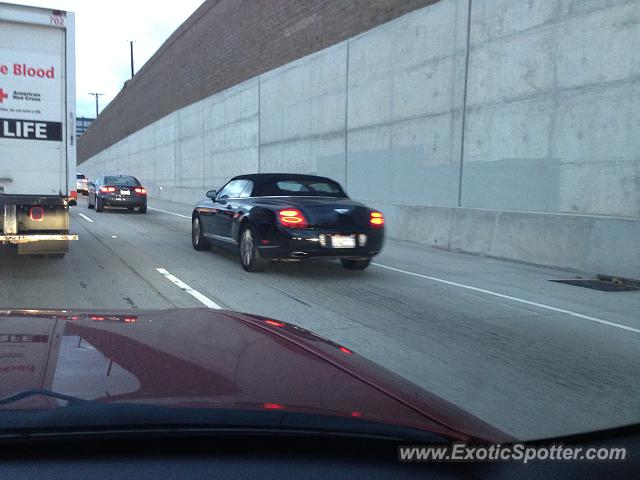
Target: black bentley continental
column 290, row 217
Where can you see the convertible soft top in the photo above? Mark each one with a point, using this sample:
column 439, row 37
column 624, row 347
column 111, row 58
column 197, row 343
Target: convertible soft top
column 265, row 184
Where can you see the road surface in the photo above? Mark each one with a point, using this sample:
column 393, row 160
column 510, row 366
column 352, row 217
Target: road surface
column 497, row 338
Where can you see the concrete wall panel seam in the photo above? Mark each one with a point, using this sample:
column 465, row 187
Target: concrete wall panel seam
column 464, row 101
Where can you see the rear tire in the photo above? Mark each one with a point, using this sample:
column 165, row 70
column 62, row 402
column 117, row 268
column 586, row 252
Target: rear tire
column 198, row 240
column 99, row 205
column 89, row 205
column 142, row 209
column 355, row 264
column 250, row 257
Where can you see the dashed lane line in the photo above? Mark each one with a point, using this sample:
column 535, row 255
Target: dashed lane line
column 194, row 293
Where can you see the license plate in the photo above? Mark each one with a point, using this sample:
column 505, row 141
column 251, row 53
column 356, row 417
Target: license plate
column 125, row 192
column 343, row 241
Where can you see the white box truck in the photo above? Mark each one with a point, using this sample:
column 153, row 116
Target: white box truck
column 37, row 128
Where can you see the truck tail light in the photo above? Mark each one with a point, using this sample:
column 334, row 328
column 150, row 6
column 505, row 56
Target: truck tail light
column 36, row 214
column 292, row 218
column 376, row 219
column 107, row 189
column 140, row 191
column 73, row 198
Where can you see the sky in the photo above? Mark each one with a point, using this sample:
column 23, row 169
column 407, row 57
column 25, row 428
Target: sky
column 103, row 28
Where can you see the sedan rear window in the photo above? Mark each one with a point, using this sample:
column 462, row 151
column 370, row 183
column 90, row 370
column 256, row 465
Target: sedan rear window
column 80, row 176
column 121, row 181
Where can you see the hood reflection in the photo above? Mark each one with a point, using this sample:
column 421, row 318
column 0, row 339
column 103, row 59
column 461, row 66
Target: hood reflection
column 202, row 359
column 65, row 353
column 158, row 374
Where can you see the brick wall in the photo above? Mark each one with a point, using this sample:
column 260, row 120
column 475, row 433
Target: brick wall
column 226, row 42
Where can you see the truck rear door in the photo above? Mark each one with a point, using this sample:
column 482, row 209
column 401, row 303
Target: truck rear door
column 33, row 104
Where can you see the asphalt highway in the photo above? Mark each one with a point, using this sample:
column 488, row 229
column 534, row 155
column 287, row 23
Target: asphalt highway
column 497, row 338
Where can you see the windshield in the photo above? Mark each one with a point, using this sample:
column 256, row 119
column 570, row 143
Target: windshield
column 427, row 212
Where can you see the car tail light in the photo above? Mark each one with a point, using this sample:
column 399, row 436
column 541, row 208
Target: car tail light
column 272, row 406
column 73, row 194
column 140, row 191
column 376, row 219
column 345, row 350
column 36, row 214
column 107, row 189
column 292, row 218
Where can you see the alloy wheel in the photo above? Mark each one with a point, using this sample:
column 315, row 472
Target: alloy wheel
column 195, row 231
column 247, row 247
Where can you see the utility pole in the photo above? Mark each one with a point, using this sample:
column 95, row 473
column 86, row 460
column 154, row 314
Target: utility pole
column 96, row 95
column 131, row 46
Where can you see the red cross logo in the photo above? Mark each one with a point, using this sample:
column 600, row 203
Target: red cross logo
column 3, row 95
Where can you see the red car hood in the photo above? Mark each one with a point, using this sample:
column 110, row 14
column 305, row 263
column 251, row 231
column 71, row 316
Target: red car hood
column 202, row 357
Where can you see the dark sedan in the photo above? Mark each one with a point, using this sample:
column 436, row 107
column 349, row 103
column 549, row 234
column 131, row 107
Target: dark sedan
column 282, row 216
column 122, row 191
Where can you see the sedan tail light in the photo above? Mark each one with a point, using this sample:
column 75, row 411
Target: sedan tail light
column 292, row 218
column 376, row 219
column 140, row 191
column 107, row 189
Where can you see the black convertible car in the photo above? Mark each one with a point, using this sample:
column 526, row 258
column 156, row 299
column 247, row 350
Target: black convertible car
column 283, row 216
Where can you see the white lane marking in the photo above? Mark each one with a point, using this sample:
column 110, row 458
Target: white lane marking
column 85, row 217
column 515, row 299
column 194, row 293
column 170, row 213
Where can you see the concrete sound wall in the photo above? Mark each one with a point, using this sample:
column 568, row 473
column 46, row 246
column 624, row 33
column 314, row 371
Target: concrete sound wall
column 224, row 43
column 520, row 140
